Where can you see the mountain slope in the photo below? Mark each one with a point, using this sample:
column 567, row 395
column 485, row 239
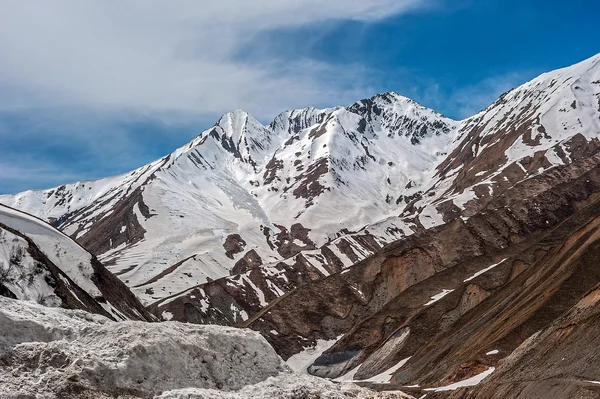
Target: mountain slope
column 506, row 190
column 559, row 361
column 39, row 263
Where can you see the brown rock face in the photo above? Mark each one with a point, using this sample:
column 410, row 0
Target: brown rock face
column 250, row 260
column 121, row 227
column 309, row 186
column 560, row 361
column 234, row 244
column 294, row 241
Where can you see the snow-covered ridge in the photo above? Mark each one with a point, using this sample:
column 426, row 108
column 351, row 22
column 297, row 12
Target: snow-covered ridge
column 27, row 277
column 69, row 256
column 493, row 152
column 322, row 171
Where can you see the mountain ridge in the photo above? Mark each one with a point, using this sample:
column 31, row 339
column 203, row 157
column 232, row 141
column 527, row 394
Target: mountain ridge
column 241, row 144
column 250, row 144
column 39, row 263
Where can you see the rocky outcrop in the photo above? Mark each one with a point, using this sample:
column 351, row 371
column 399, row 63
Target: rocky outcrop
column 559, row 361
column 233, row 244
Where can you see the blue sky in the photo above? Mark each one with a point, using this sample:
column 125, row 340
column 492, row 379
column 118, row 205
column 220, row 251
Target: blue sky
column 90, row 89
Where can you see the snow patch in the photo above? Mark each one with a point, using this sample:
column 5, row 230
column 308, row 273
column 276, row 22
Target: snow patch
column 437, row 297
column 479, row 273
column 386, row 376
column 469, row 382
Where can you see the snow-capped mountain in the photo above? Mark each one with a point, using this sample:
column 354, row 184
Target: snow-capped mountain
column 39, row 263
column 530, row 131
column 242, row 194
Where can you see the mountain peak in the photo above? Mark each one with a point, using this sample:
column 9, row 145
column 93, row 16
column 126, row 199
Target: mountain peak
column 233, row 122
column 240, row 134
column 392, row 96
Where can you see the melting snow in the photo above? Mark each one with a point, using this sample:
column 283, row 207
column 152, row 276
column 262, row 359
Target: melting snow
column 386, row 376
column 437, row 297
column 479, row 273
column 381, row 378
column 349, row 376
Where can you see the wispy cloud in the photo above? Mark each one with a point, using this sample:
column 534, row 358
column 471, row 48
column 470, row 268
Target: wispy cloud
column 100, row 87
column 176, row 55
column 91, row 88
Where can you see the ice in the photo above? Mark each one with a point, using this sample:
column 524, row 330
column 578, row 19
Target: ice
column 302, row 360
column 287, row 386
column 112, row 357
column 56, row 351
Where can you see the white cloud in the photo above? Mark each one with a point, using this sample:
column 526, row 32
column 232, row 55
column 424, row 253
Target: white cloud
column 169, row 55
